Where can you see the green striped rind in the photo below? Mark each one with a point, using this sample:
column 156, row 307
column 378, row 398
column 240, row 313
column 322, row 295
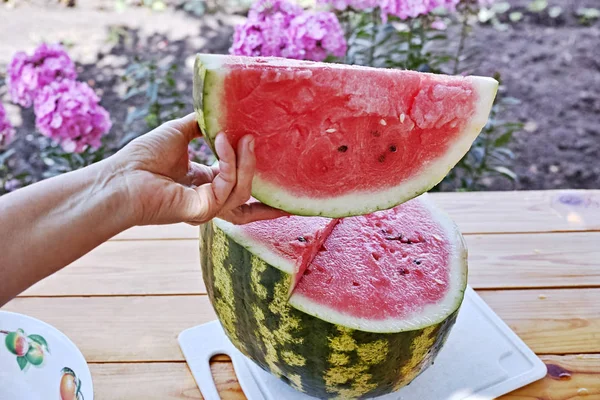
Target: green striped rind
column 321, row 359
column 206, row 103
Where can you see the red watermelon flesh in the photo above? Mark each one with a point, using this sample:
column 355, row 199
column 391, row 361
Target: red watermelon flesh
column 337, row 140
column 333, row 139
column 388, row 271
column 288, row 243
column 389, row 264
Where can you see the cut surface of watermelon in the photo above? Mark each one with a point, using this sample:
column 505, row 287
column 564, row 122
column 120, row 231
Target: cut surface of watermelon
column 388, row 271
column 292, row 241
column 338, row 140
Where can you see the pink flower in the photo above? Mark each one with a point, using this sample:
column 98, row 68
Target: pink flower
column 7, row 132
column 68, row 112
column 439, row 25
column 27, row 75
column 12, row 185
column 318, row 35
column 402, row 9
column 200, row 152
column 282, row 29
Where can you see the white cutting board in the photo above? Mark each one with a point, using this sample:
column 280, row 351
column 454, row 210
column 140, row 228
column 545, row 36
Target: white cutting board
column 482, row 359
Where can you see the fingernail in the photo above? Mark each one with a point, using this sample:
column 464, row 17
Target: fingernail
column 251, row 145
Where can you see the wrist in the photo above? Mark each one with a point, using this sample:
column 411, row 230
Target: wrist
column 111, row 178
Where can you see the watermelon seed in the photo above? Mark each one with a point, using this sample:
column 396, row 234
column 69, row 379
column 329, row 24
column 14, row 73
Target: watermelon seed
column 382, row 122
column 404, row 271
column 355, row 284
column 301, row 239
column 381, row 158
column 406, row 241
column 418, row 262
column 343, row 149
column 399, row 237
column 375, row 133
column 330, row 130
column 393, row 148
column 402, row 117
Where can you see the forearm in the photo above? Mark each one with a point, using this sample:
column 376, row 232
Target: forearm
column 46, row 226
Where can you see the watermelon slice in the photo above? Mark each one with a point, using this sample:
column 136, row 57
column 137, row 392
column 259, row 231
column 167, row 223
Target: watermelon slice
column 293, row 242
column 337, row 140
column 358, row 310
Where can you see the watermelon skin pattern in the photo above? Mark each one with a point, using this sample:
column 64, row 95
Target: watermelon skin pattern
column 313, row 356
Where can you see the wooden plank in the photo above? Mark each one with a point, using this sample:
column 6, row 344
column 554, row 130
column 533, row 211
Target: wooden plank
column 523, row 211
column 172, row 266
column 534, row 260
column 165, row 381
column 129, row 267
column 159, row 232
column 125, row 329
column 475, row 212
column 575, row 377
column 556, row 321
column 109, row 329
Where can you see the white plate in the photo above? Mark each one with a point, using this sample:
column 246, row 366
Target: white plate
column 482, row 359
column 44, row 364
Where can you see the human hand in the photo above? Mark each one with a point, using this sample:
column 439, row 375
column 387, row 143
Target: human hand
column 164, row 187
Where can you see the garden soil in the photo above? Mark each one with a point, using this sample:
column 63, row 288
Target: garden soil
column 552, row 65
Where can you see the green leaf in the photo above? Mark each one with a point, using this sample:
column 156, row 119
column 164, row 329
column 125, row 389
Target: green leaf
column 555, row 12
column 501, row 8
column 6, row 155
column 515, row 16
column 120, row 6
column 510, row 101
column 40, row 340
column 22, row 361
column 499, row 26
column 506, row 152
column 158, row 6
column 139, row 113
column 78, row 386
column 485, row 15
column 506, row 172
column 537, row 5
column 503, row 140
column 588, row 13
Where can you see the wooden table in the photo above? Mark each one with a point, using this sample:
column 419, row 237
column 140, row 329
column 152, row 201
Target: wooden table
column 534, row 258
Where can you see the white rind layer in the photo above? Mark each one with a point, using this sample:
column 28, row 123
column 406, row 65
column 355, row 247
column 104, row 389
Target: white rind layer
column 431, row 314
column 255, row 247
column 211, row 74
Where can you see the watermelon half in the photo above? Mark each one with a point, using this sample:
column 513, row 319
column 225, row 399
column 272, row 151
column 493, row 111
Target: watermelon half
column 338, row 308
column 337, row 140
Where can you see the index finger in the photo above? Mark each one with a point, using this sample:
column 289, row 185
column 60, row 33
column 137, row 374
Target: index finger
column 214, row 195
